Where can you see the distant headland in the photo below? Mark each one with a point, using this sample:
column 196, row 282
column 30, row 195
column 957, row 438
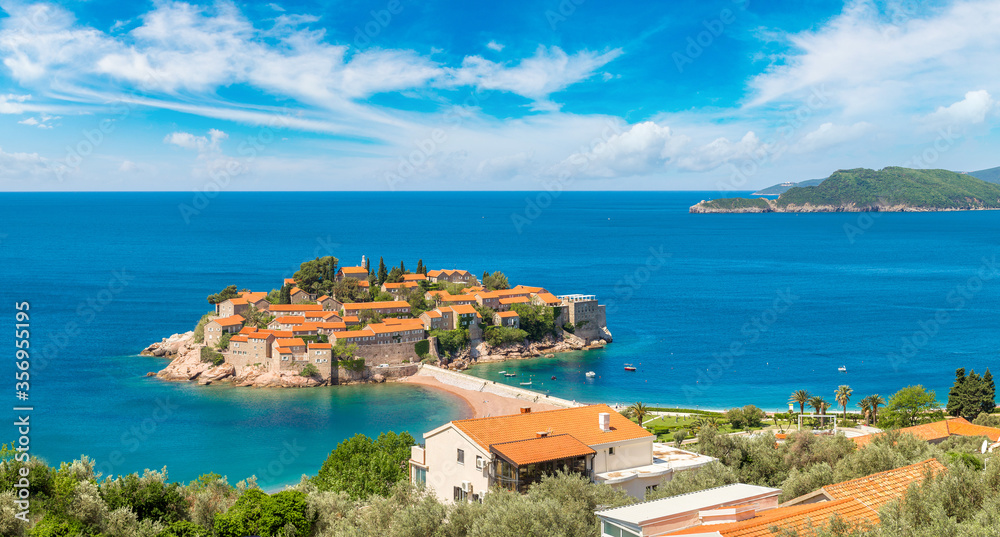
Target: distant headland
column 890, row 189
column 332, row 324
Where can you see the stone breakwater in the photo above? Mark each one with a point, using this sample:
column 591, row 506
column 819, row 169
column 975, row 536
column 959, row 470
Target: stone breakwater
column 548, row 347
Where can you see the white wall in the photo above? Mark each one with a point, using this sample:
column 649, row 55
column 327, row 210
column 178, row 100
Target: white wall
column 444, row 473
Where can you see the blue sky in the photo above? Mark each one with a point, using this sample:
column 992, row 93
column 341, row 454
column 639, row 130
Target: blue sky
column 518, row 95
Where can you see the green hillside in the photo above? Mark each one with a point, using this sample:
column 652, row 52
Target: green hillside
column 991, row 175
column 893, row 186
column 735, row 204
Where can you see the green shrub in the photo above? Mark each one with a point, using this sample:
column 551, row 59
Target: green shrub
column 362, row 467
column 310, row 370
column 256, row 513
column 451, row 341
column 536, row 320
column 149, row 496
column 224, row 341
column 569, row 327
column 498, row 336
column 199, row 329
column 356, row 366
column 209, row 355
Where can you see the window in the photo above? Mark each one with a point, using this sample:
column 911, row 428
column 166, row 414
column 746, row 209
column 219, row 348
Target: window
column 479, row 462
column 459, row 494
column 612, row 531
column 611, row 451
column 651, row 488
column 461, row 456
column 420, row 476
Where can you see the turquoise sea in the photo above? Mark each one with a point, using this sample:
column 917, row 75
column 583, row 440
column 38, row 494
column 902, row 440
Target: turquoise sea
column 713, row 310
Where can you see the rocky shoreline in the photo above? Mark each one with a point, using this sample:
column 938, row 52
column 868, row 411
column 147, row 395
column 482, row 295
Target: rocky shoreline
column 186, row 365
column 704, row 207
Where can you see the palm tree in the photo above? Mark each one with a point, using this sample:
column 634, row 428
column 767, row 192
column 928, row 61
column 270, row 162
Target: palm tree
column 818, row 403
column 866, row 408
column 801, row 397
column 843, row 396
column 638, row 410
column 873, row 402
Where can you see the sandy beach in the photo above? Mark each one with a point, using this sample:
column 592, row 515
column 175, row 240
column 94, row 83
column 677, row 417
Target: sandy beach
column 481, row 404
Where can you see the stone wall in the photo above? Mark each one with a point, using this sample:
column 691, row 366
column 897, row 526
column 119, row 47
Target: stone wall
column 392, row 353
column 393, row 372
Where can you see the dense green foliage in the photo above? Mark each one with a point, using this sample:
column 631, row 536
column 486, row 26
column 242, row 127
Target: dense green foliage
column 285, row 294
column 422, row 348
column 498, row 336
column 256, row 513
column 199, row 329
column 223, row 343
column 210, row 355
column 910, row 406
column 309, row 370
column 496, row 281
column 450, row 342
column 729, row 204
column 348, row 290
column 317, row 276
column 257, row 318
column 223, row 295
column 537, row 320
column 362, row 467
column 971, row 395
column 924, row 189
column 745, row 417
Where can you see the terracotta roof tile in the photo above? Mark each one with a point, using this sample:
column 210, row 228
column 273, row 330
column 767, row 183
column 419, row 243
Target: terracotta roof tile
column 291, row 342
column 507, row 314
column 548, row 298
column 464, row 309
column 238, row 339
column 232, row 320
column 548, row 448
column 389, row 328
column 296, row 307
column 353, row 270
column 515, row 300
column 289, row 281
column 939, row 430
column 247, row 330
column 876, row 490
column 320, row 346
column 579, row 422
column 414, row 277
column 794, row 518
column 376, row 305
column 290, row 319
column 351, row 334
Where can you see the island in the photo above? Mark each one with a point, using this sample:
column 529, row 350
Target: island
column 332, row 324
column 781, row 188
column 891, row 189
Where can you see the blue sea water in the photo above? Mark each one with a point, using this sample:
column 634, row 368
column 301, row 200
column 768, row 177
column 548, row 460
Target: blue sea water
column 713, row 310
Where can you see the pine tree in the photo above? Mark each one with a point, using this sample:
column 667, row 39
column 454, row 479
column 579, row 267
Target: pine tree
column 383, row 273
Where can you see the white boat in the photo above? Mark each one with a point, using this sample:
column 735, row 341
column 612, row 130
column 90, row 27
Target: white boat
column 842, row 368
column 526, row 383
column 504, row 372
column 591, row 374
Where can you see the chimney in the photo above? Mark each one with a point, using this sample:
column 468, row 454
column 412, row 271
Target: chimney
column 604, row 420
column 525, row 410
column 541, row 434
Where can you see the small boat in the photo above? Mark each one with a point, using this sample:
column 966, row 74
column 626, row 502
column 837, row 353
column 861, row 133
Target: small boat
column 591, row 374
column 526, row 383
column 504, row 372
column 553, row 377
column 842, row 369
column 629, row 367
column 510, row 374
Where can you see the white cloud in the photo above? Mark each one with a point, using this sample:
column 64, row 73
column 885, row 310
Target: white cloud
column 493, row 45
column 971, row 110
column 550, row 70
column 29, row 121
column 24, row 166
column 829, row 134
column 868, row 60
column 276, row 7
column 127, row 166
column 13, row 104
column 201, row 144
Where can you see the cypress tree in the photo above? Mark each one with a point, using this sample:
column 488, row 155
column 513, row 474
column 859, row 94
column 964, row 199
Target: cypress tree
column 421, row 269
column 383, row 273
column 368, row 265
column 957, row 394
column 990, row 397
column 285, row 295
column 402, row 267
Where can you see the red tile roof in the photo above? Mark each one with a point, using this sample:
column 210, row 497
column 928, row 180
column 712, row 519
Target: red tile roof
column 247, row 330
column 290, row 319
column 433, row 314
column 515, row 300
column 876, row 490
column 238, row 339
column 389, row 328
column 795, row 518
column 351, row 334
column 547, row 448
column 939, row 430
column 291, row 342
column 232, row 320
column 464, row 309
column 353, row 270
column 548, row 298
column 579, row 422
column 414, row 277
column 505, row 314
column 289, row 281
column 376, row 305
column 320, row 346
column 296, row 307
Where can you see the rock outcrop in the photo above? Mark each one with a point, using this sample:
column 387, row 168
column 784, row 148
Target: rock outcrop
column 169, row 347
